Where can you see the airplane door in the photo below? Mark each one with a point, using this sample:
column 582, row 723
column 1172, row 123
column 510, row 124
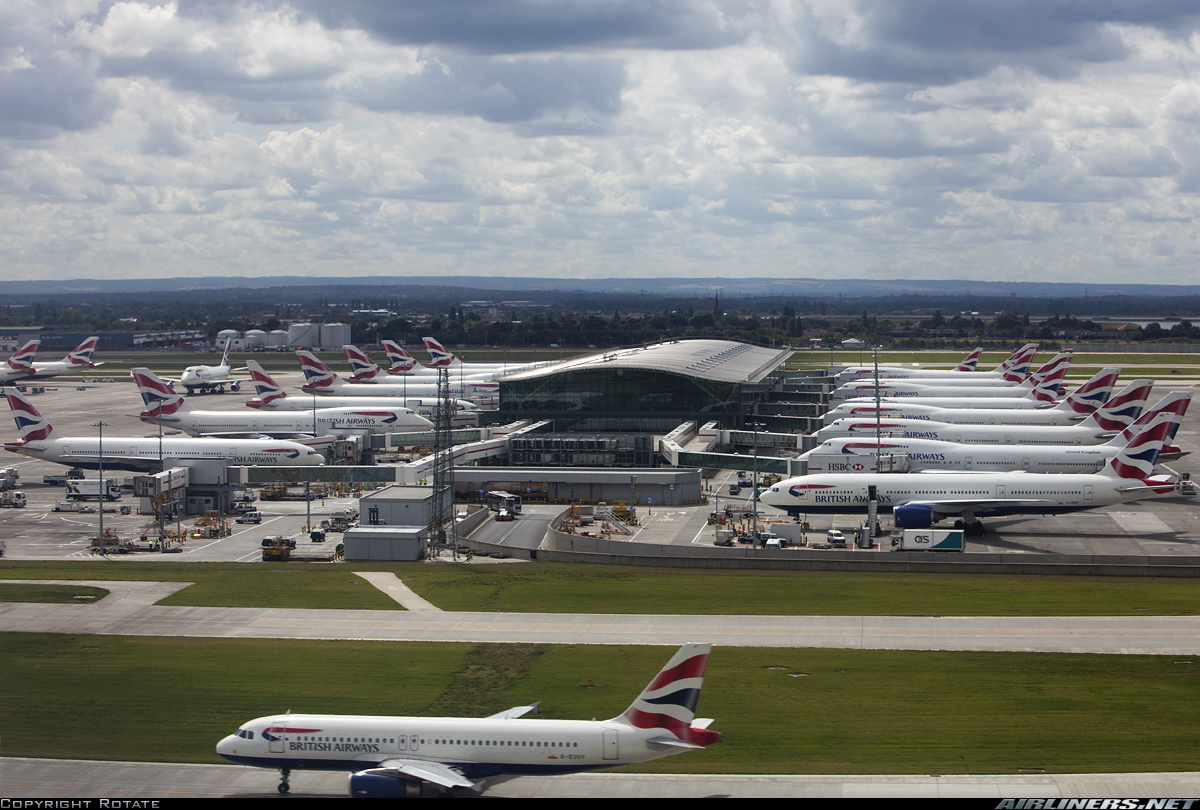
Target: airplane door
column 277, row 742
column 1087, row 493
column 612, row 749
column 1025, row 463
column 967, row 463
column 999, row 490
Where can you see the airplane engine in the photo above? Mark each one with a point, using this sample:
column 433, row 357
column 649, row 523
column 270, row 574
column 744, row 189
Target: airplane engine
column 375, row 785
column 913, row 517
column 235, row 386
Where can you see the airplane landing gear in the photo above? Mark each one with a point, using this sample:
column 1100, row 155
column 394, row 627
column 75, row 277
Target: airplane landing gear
column 284, row 787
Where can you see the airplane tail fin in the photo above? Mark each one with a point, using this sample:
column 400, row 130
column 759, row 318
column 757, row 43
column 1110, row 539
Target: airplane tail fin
column 317, row 375
column 668, row 703
column 361, row 364
column 22, row 358
column 971, row 361
column 1022, row 356
column 1138, row 458
column 1062, row 360
column 160, row 399
column 267, row 389
column 1170, row 409
column 1048, row 387
column 82, row 356
column 225, row 354
column 439, row 355
column 1085, row 399
column 31, row 425
column 399, row 361
column 1123, row 409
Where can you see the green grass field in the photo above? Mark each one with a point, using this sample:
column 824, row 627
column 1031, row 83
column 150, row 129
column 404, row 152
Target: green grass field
column 781, row 711
column 581, row 588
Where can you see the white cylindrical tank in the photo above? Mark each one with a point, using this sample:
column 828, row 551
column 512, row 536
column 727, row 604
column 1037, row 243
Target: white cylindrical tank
column 304, row 334
column 278, row 339
column 335, row 335
column 256, row 339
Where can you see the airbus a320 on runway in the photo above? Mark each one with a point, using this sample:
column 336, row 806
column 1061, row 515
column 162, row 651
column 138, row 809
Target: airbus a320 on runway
column 400, row 757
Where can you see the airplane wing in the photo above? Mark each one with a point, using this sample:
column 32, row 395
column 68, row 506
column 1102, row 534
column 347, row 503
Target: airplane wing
column 514, row 712
column 976, row 506
column 433, row 772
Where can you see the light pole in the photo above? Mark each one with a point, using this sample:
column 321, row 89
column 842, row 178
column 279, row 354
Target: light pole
column 102, row 489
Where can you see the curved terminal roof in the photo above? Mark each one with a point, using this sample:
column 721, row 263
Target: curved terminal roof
column 715, row 360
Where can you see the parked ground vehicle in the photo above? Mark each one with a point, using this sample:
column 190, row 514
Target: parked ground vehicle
column 12, row 500
column 249, row 517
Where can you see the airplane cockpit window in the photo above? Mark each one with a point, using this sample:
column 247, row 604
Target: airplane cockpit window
column 245, row 734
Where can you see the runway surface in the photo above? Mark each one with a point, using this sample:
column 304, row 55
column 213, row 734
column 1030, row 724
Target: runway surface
column 85, row 779
column 130, row 610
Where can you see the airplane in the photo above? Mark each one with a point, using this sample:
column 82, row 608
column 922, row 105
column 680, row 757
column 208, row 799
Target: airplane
column 271, row 395
column 857, row 454
column 367, row 370
column 409, row 757
column 169, row 408
column 1098, row 427
column 76, row 360
column 918, row 500
column 40, row 440
column 19, row 365
column 208, row 379
column 441, row 357
column 1043, row 385
column 1014, row 369
column 321, row 379
column 986, row 411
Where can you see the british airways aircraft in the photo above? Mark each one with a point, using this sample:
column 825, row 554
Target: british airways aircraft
column 1014, row 369
column 19, row 365
column 321, row 379
column 986, row 411
column 40, row 440
column 1114, row 416
column 403, row 757
column 208, row 379
column 847, row 455
column 1044, row 384
column 918, row 500
column 272, row 396
column 165, row 406
column 79, row 359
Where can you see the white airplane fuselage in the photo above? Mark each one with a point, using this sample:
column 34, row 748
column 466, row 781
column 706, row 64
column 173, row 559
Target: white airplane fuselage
column 322, row 422
column 865, row 428
column 477, row 747
column 842, row 456
column 983, row 415
column 141, row 453
column 1007, row 493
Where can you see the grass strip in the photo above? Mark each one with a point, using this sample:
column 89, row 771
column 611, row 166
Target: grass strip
column 584, row 588
column 781, row 711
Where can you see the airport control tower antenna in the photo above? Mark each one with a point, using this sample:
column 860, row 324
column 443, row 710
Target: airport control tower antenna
column 441, row 525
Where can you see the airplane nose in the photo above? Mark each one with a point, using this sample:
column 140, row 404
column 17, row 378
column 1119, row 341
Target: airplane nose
column 227, row 746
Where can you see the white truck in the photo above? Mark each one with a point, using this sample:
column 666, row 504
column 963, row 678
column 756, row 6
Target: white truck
column 12, row 500
column 931, row 540
column 8, row 478
column 93, row 489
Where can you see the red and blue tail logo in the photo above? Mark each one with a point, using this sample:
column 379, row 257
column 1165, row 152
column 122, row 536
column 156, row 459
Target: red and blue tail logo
column 159, row 398
column 31, row 425
column 1093, row 393
column 364, row 367
column 82, row 356
column 439, row 355
column 971, row 362
column 22, row 358
column 399, row 361
column 317, row 374
column 1123, row 410
column 1138, row 458
column 669, row 702
column 266, row 388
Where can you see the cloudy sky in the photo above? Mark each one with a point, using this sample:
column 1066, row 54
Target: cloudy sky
column 1012, row 140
